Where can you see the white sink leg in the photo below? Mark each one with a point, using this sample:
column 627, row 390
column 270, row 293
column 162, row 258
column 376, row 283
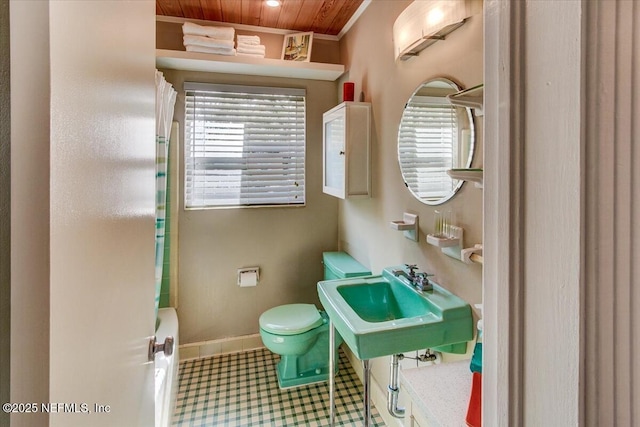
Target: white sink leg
column 332, row 373
column 367, row 392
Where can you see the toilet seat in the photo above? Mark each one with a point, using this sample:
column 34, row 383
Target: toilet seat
column 291, row 319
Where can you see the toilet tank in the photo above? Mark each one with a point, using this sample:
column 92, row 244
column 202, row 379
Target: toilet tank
column 340, row 265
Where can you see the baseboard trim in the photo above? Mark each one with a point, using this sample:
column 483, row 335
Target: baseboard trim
column 202, row 349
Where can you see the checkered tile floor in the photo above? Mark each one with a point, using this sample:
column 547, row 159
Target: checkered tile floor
column 241, row 389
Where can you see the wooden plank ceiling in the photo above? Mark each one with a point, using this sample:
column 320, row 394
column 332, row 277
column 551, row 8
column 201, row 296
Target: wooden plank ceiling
column 319, row 16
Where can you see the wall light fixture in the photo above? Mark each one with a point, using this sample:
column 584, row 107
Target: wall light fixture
column 424, row 22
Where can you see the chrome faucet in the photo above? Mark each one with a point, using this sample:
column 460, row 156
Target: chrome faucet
column 420, row 281
column 412, row 272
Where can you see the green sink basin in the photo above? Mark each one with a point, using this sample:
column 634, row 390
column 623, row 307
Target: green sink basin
column 380, row 301
column 383, row 315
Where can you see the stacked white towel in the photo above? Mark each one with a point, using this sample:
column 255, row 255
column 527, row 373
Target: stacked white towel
column 216, row 40
column 250, row 46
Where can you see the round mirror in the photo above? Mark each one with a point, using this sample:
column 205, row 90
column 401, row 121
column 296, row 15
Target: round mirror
column 434, row 136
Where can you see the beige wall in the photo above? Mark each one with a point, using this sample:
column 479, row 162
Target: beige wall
column 367, row 51
column 286, row 243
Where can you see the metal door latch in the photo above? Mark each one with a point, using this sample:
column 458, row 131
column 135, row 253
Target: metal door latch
column 166, row 347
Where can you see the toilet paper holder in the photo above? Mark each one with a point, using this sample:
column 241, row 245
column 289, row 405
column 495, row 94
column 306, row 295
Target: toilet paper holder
column 248, row 276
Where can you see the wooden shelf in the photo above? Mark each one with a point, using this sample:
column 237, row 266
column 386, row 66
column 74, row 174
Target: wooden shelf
column 194, row 61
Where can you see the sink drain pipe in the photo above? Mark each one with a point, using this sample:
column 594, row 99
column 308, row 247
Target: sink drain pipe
column 394, row 388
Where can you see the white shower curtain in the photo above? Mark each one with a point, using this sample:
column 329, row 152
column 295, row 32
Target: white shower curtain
column 165, row 101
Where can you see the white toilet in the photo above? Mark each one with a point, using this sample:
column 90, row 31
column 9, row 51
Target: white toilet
column 299, row 333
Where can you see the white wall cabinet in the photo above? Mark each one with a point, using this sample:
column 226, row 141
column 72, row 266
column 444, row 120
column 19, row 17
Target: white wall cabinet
column 346, row 150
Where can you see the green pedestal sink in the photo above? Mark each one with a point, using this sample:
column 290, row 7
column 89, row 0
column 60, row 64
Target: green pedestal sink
column 385, row 315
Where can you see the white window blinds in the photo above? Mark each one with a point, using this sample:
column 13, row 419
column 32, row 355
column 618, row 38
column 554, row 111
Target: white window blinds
column 244, row 146
column 428, row 144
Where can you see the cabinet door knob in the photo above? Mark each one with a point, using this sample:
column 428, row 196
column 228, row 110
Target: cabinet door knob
column 342, row 153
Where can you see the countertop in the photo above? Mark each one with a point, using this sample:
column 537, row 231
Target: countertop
column 441, row 392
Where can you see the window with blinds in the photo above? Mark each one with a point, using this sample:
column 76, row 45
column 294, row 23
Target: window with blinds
column 244, row 146
column 428, row 145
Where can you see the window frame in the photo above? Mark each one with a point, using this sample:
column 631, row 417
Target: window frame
column 299, row 145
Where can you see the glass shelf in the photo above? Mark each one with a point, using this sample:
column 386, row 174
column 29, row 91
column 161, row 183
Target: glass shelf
column 473, row 175
column 470, row 98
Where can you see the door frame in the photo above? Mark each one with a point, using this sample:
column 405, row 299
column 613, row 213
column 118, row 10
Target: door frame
column 503, row 281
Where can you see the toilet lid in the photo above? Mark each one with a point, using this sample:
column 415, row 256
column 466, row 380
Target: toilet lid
column 291, row 319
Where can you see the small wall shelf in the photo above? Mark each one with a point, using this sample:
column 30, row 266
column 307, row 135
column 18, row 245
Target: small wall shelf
column 195, row 61
column 470, row 98
column 450, row 244
column 474, row 175
column 442, row 242
column 408, row 225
